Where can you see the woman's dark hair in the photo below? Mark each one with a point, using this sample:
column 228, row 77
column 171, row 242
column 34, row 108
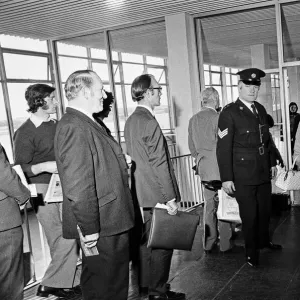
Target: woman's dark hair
column 139, row 86
column 270, row 121
column 35, row 95
column 108, row 101
column 291, row 104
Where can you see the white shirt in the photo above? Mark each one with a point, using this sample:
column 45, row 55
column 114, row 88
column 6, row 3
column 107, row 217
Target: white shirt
column 82, row 111
column 37, row 121
column 147, row 107
column 248, row 104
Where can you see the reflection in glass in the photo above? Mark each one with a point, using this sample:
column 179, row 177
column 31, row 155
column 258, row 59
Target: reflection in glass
column 25, row 67
column 4, row 131
column 290, row 31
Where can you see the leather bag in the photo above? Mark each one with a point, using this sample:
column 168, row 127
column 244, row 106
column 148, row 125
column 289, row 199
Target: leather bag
column 288, row 180
column 172, row 232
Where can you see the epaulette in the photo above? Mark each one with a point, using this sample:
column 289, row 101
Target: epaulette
column 228, row 105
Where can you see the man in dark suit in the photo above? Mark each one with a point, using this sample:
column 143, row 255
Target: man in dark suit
column 203, row 136
column 96, row 193
column 154, row 181
column 247, row 162
column 12, row 194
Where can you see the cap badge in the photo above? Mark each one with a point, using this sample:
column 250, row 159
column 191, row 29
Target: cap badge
column 253, row 75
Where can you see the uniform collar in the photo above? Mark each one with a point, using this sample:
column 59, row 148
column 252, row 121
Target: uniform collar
column 248, row 104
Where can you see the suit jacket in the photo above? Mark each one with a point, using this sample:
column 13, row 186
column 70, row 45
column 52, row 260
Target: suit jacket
column 154, row 178
column 203, row 133
column 240, row 136
column 12, row 193
column 94, row 177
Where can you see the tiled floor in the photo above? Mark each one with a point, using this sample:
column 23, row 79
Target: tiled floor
column 226, row 276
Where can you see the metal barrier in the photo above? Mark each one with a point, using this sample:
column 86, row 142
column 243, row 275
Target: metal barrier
column 190, row 186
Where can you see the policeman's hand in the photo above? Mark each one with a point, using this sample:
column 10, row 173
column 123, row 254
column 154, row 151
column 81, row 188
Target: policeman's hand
column 228, row 187
column 90, row 240
column 273, row 172
column 172, row 207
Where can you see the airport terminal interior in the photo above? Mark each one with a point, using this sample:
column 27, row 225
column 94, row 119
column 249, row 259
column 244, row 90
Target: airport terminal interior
column 187, row 45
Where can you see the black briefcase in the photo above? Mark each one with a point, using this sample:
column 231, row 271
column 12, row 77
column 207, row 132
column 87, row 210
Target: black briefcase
column 172, row 232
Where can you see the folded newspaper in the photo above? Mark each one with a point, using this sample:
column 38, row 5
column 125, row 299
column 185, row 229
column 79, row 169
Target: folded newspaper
column 54, row 192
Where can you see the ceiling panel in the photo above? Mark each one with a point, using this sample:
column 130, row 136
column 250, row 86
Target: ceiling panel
column 48, row 19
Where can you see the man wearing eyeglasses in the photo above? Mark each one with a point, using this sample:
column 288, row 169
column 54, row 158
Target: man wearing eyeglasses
column 153, row 180
column 247, row 161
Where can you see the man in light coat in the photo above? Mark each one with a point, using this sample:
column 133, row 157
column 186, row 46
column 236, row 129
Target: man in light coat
column 203, row 136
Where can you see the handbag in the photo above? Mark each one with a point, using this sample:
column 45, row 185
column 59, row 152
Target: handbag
column 228, row 208
column 172, row 232
column 288, row 180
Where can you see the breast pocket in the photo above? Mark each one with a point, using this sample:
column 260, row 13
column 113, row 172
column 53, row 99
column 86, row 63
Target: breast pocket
column 248, row 137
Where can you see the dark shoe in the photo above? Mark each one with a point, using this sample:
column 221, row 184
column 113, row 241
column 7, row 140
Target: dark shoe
column 273, row 246
column 77, row 290
column 252, row 261
column 45, row 291
column 143, row 290
column 168, row 295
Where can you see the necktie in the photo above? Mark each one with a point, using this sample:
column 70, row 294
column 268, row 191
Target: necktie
column 254, row 110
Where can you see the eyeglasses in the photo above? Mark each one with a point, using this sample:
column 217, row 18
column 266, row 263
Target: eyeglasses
column 156, row 88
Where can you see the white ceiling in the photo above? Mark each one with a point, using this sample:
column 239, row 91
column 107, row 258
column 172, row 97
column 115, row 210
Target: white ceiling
column 49, row 19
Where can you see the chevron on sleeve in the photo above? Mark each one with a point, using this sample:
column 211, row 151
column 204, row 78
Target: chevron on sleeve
column 222, row 133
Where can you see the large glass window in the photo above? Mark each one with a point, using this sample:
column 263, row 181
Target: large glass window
column 26, row 66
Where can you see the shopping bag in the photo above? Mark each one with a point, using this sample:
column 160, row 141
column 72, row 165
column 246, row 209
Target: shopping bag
column 288, row 180
column 228, row 208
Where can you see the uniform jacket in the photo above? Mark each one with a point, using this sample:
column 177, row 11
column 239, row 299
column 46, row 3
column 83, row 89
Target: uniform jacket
column 238, row 145
column 203, row 136
column 94, row 178
column 12, row 193
column 154, row 178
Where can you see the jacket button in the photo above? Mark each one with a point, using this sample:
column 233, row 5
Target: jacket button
column 247, row 131
column 242, row 158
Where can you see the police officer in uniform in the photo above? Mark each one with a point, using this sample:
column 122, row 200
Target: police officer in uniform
column 247, row 161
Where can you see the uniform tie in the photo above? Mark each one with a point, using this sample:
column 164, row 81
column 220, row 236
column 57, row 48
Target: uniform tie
column 254, row 110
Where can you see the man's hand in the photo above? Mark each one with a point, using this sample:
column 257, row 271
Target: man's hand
column 228, row 187
column 172, row 207
column 90, row 240
column 48, row 166
column 128, row 160
column 273, row 172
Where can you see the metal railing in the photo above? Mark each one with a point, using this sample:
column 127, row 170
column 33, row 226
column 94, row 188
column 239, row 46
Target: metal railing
column 190, row 186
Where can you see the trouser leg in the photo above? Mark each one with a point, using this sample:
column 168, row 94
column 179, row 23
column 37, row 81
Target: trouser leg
column 264, row 192
column 246, row 197
column 106, row 276
column 210, row 235
column 155, row 263
column 64, row 253
column 11, row 262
